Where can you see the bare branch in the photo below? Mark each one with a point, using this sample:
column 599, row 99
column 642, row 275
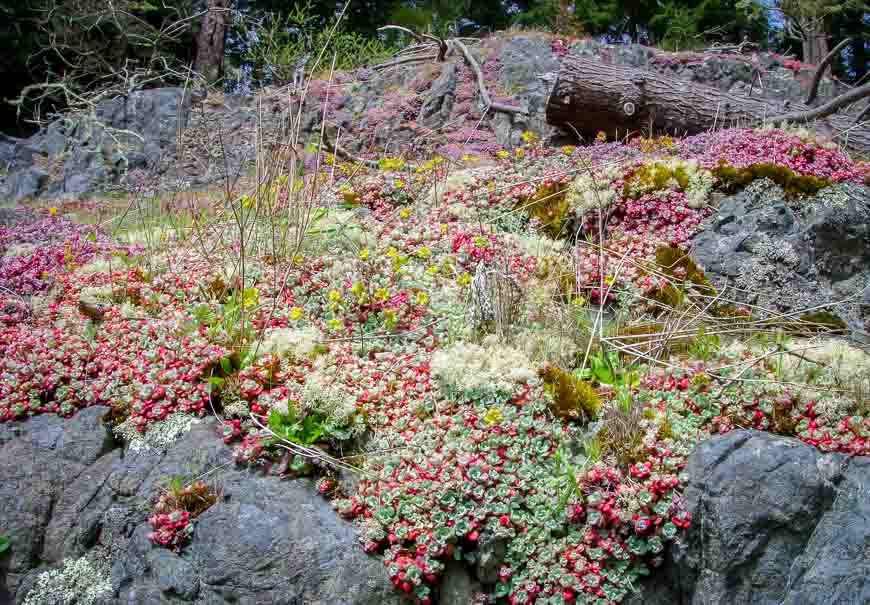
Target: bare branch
column 823, row 66
column 832, row 106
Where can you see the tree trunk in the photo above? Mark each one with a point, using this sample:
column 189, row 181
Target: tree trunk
column 209, row 60
column 590, row 96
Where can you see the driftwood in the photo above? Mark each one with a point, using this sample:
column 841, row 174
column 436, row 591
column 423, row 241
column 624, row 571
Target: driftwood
column 590, row 96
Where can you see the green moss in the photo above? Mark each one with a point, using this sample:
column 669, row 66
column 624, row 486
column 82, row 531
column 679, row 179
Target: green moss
column 824, row 321
column 573, row 399
column 549, row 205
column 655, row 176
column 794, row 185
column 668, row 261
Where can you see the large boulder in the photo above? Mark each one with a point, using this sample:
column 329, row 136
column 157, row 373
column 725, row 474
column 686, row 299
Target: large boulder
column 787, row 256
column 85, row 153
column 774, row 522
column 71, row 493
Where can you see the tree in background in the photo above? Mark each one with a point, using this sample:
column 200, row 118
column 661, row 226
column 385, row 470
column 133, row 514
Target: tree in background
column 210, row 40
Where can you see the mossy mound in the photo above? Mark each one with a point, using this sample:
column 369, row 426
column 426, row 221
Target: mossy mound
column 794, row 185
column 573, row 399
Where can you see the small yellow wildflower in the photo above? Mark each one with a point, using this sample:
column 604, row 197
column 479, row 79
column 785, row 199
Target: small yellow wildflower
column 502, row 155
column 358, row 288
column 298, row 259
column 250, row 297
column 52, row 211
column 422, row 299
column 464, row 279
column 335, row 324
column 443, row 228
column 467, row 157
column 364, row 254
column 609, row 280
column 601, row 137
column 529, row 137
column 404, row 213
column 520, row 153
column 382, row 294
column 568, row 149
column 392, row 252
column 335, row 296
column 493, row 416
column 389, row 318
column 479, row 241
column 399, row 183
column 424, row 252
column 579, row 301
column 296, row 313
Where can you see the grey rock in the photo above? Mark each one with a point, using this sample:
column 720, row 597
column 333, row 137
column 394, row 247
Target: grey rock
column 438, row 100
column 789, row 256
column 25, row 183
column 457, row 585
column 69, row 491
column 492, row 550
column 774, row 521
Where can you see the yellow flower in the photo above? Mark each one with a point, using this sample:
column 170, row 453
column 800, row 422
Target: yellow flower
column 250, row 297
column 358, row 288
column 389, row 318
column 404, row 213
column 464, row 279
column 422, row 299
column 520, row 153
column 296, row 313
column 52, row 211
column 330, row 159
column 399, row 183
column 467, row 157
column 298, row 259
column 579, row 301
column 364, row 254
column 568, row 149
column 382, row 294
column 609, row 280
column 432, row 270
column 424, row 252
column 601, row 137
column 502, row 154
column 493, row 416
column 335, row 296
column 392, row 252
column 479, row 241
column 529, row 136
column 335, row 324
column 443, row 228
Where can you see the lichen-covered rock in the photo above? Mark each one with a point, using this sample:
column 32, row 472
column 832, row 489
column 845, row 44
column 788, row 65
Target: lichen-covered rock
column 790, row 255
column 70, row 496
column 773, row 521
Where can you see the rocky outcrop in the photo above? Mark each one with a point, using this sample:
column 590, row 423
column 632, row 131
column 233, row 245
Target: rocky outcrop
column 85, row 153
column 70, row 492
column 789, row 256
column 774, row 521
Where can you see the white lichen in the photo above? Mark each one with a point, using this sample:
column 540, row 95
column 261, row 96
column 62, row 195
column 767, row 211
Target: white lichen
column 79, row 582
column 491, row 366
column 298, row 342
column 158, row 435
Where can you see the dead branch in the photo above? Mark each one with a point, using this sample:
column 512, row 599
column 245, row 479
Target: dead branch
column 831, row 107
column 481, row 83
column 823, row 66
column 340, row 151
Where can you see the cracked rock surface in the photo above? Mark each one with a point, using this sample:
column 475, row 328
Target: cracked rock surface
column 775, row 521
column 69, row 491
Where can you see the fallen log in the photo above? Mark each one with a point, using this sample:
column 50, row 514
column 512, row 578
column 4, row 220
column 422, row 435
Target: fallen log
column 590, row 96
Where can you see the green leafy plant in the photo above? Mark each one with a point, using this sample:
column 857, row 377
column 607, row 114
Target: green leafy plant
column 306, row 431
column 4, row 544
column 703, row 346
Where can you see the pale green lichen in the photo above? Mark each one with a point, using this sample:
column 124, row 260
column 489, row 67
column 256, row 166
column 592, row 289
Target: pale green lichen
column 159, row 435
column 79, row 582
column 491, row 366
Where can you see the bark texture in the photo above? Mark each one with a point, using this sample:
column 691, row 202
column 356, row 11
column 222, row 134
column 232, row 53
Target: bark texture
column 590, row 96
column 210, row 40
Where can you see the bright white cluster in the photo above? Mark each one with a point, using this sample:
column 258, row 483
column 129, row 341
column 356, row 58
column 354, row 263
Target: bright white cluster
column 159, row 435
column 300, row 342
column 492, row 366
column 590, row 192
column 79, row 581
column 322, row 396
